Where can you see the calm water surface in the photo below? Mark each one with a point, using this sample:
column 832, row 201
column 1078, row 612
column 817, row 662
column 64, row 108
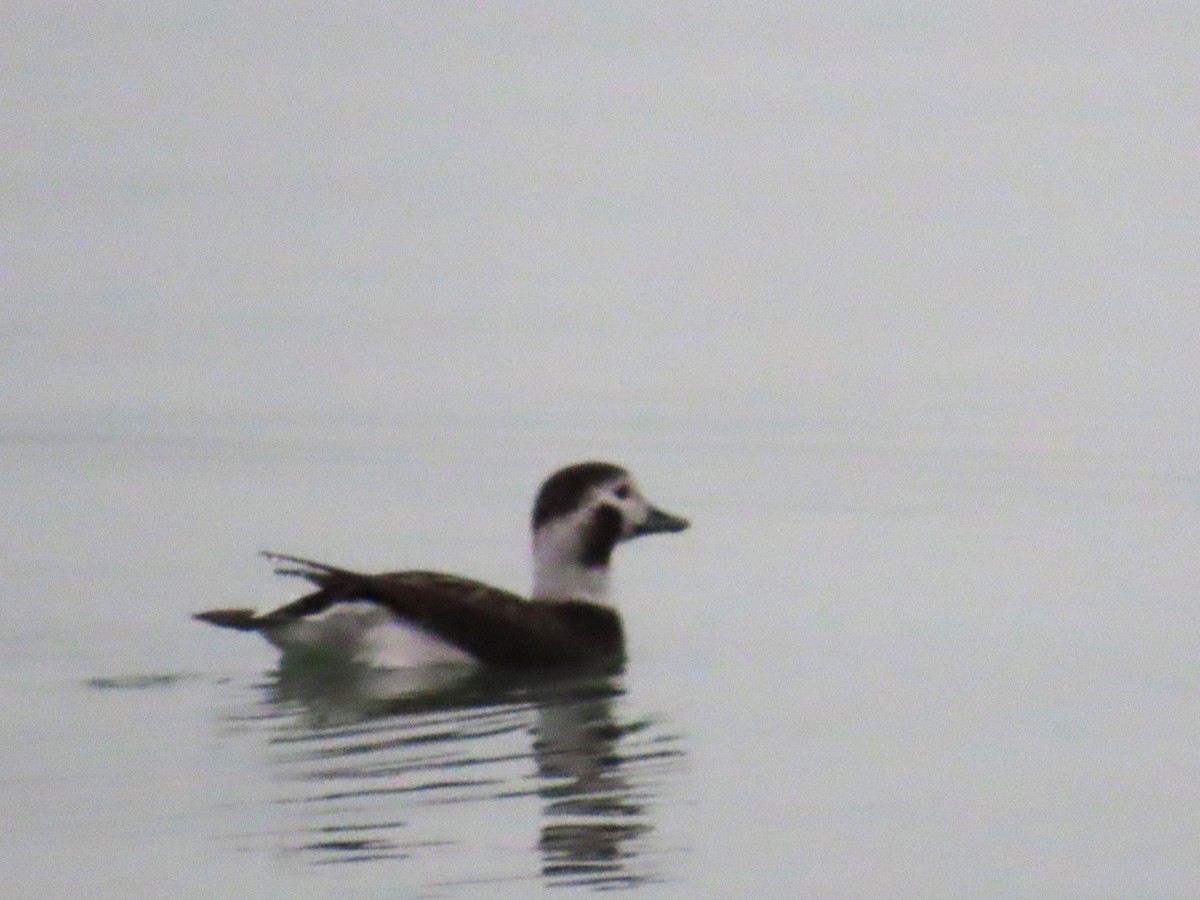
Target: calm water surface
column 473, row 785
column 868, row 670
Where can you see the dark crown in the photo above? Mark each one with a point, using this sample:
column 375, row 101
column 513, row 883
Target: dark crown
column 563, row 492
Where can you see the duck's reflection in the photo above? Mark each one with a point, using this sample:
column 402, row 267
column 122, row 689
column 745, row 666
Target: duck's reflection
column 376, row 760
column 592, row 820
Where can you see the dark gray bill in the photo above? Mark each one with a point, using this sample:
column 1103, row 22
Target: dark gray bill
column 658, row 521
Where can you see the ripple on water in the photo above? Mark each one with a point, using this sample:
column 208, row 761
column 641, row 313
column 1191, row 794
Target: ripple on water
column 466, row 778
column 139, row 681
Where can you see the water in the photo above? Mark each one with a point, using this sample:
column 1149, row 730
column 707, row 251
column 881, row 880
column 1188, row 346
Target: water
column 895, row 303
column 183, row 756
column 470, row 788
column 866, row 670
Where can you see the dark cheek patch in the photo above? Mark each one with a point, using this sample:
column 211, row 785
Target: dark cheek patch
column 600, row 537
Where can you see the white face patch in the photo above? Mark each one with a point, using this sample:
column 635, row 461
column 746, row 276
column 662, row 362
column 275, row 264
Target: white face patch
column 623, row 494
column 558, row 573
column 558, row 546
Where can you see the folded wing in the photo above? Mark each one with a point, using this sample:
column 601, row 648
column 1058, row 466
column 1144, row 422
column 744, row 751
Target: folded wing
column 493, row 625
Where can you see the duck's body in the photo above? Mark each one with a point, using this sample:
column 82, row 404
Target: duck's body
column 401, row 619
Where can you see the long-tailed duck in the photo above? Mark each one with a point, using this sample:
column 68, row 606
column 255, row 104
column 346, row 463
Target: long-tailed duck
column 402, row 619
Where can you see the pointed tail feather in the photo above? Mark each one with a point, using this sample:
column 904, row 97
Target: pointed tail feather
column 328, row 579
column 299, row 560
column 319, row 574
column 238, row 619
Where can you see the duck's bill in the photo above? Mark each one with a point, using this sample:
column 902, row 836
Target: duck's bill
column 658, row 521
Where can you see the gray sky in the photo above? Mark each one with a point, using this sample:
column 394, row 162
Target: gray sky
column 218, row 210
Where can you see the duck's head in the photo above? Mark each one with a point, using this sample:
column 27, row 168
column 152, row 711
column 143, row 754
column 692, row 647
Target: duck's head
column 581, row 513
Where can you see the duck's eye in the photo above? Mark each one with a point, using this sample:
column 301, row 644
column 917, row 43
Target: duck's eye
column 622, row 492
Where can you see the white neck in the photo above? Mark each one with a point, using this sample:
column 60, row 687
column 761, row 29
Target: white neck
column 557, row 573
column 570, row 583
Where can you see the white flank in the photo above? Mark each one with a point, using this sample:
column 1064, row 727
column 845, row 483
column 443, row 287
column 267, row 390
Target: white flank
column 367, row 634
